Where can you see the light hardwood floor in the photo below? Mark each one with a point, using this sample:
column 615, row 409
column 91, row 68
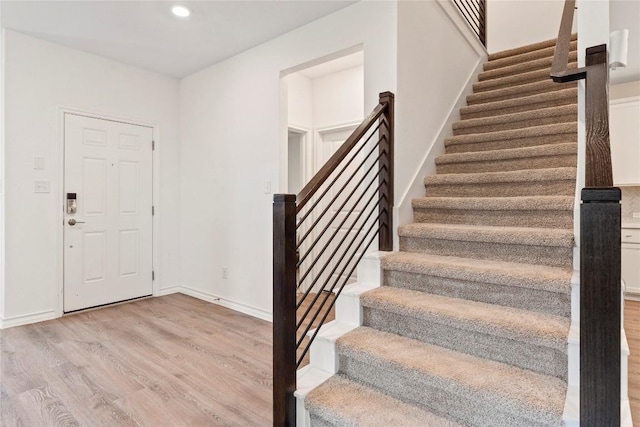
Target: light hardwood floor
column 168, row 361
column 632, row 329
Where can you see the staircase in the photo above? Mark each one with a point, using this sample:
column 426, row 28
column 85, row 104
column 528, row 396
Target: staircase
column 472, row 323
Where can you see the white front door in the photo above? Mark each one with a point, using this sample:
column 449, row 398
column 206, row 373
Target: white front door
column 108, row 240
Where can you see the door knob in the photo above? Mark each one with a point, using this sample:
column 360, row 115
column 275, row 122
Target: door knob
column 73, row 221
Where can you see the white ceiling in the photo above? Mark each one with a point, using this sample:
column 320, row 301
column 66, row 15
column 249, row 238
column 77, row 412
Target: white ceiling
column 145, row 33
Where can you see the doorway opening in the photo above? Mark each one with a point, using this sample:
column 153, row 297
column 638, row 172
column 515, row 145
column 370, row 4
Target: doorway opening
column 325, row 102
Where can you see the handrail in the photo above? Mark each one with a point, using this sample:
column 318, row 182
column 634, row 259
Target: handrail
column 317, row 246
column 598, row 170
column 600, row 258
column 563, row 42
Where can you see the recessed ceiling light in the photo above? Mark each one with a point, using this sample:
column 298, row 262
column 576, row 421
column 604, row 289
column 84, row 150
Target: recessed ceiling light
column 180, row 11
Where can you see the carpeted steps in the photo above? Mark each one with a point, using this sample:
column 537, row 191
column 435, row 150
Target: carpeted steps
column 533, row 287
column 528, row 211
column 509, row 159
column 514, row 138
column 545, row 246
column 525, row 103
column 523, row 119
column 526, row 182
column 472, row 390
column 472, row 322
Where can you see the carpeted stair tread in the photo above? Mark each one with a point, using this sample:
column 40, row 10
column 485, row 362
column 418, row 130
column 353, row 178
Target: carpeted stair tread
column 549, row 237
column 526, row 153
column 530, row 276
column 342, row 402
column 516, row 79
column 525, row 103
column 546, row 52
column 490, row 319
column 516, row 91
column 526, row 203
column 528, row 48
column 527, row 175
column 514, row 138
column 523, row 67
column 483, row 386
column 539, row 117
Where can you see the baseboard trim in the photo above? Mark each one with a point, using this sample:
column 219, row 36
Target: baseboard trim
column 25, row 319
column 168, row 291
column 233, row 305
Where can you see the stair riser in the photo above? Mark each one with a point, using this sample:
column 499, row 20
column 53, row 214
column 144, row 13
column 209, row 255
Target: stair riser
column 523, row 67
column 503, row 189
column 517, row 91
column 505, row 165
column 544, row 360
column 491, row 112
column 509, row 296
column 532, row 121
column 516, row 80
column 531, row 141
column 319, row 422
column 550, row 219
column 526, row 49
column 436, row 396
column 555, row 256
column 525, row 57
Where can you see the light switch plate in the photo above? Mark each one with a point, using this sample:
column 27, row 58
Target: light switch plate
column 38, row 163
column 636, row 215
column 41, row 186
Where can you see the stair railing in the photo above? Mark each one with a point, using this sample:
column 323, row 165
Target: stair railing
column 320, row 236
column 600, row 305
column 475, row 13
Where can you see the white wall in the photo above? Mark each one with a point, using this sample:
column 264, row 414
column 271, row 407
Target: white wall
column 624, row 90
column 300, row 100
column 40, row 77
column 432, row 84
column 338, row 98
column 512, row 23
column 2, row 162
column 233, row 123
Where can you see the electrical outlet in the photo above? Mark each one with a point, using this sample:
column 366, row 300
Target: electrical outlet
column 267, row 187
column 224, row 272
column 636, row 215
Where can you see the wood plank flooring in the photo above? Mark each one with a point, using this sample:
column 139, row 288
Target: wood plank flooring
column 632, row 329
column 167, row 361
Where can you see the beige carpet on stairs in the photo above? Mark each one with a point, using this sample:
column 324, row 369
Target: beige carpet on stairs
column 470, row 326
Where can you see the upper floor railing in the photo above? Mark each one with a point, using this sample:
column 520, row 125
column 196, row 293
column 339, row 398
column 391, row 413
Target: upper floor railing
column 475, row 13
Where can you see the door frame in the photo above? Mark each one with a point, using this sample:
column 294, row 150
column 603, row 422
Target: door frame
column 59, row 194
column 307, row 153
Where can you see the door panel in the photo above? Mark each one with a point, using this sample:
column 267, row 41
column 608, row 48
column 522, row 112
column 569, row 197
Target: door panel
column 108, row 252
column 345, row 215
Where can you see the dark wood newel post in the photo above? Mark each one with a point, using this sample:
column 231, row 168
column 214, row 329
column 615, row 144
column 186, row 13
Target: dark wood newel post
column 600, row 309
column 284, row 310
column 598, row 171
column 386, row 131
